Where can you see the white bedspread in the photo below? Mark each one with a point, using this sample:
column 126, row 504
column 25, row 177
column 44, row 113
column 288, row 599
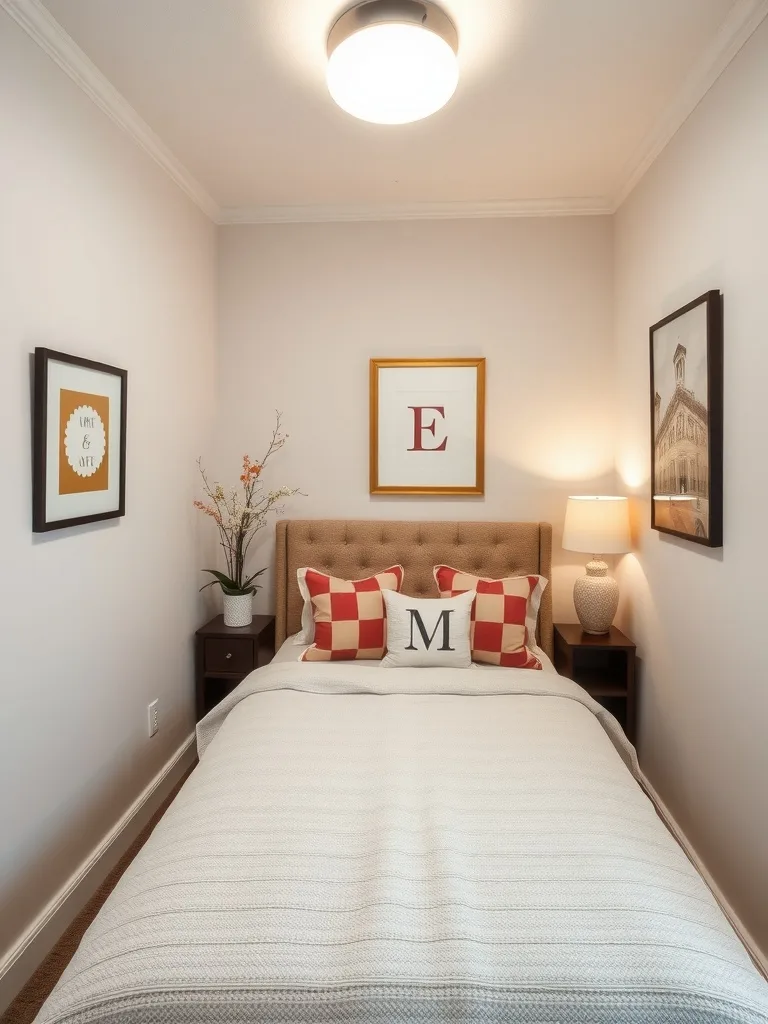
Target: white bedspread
column 382, row 846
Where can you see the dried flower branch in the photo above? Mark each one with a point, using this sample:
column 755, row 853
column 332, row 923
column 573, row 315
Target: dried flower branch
column 239, row 514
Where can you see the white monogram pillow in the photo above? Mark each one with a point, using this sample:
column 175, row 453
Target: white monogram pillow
column 428, row 632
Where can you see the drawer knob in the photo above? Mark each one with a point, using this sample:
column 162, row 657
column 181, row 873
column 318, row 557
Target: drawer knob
column 229, row 654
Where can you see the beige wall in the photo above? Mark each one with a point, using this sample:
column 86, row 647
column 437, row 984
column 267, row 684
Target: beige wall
column 699, row 220
column 102, row 256
column 304, row 307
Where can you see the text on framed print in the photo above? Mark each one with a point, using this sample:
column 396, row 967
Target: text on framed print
column 78, row 441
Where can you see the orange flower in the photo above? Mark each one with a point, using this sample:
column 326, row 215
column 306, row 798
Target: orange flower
column 255, row 470
column 244, row 478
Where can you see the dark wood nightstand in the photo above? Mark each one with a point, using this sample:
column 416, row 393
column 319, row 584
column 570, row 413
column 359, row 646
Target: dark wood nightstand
column 603, row 665
column 224, row 655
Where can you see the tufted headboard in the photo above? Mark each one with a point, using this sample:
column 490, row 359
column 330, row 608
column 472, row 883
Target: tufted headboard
column 354, row 548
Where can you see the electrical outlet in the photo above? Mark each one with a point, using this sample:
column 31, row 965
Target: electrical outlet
column 153, row 716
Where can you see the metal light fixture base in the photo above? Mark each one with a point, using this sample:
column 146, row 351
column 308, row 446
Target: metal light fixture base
column 404, row 12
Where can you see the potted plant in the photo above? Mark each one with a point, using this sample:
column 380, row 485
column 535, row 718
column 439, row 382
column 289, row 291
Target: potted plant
column 239, row 514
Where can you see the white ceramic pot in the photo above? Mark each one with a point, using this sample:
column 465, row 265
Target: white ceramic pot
column 238, row 609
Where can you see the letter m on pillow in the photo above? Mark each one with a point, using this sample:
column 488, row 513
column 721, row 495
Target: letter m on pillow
column 442, row 619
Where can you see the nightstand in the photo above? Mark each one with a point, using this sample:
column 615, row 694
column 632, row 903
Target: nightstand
column 603, row 665
column 224, row 655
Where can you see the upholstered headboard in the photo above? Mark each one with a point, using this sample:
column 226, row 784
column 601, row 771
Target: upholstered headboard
column 354, row 548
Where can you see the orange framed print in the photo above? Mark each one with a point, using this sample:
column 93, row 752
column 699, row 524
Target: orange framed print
column 427, row 426
column 78, row 441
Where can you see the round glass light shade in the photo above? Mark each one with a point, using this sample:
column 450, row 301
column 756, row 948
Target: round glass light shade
column 392, row 73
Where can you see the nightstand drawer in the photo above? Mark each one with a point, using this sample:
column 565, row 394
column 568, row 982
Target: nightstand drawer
column 235, row 655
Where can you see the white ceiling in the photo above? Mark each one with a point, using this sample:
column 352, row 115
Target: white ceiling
column 557, row 98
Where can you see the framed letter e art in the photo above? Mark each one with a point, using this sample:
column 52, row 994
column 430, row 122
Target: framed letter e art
column 427, row 426
column 78, row 441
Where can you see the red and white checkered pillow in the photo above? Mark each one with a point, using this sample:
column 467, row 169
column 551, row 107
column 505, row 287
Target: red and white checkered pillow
column 350, row 618
column 504, row 615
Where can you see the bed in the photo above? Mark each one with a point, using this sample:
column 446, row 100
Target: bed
column 382, row 846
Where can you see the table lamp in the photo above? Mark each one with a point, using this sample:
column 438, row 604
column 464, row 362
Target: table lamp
column 598, row 524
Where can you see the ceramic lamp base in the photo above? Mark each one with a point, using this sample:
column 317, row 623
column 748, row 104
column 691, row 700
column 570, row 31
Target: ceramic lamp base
column 596, row 597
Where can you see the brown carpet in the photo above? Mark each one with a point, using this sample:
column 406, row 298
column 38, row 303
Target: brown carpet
column 27, row 1003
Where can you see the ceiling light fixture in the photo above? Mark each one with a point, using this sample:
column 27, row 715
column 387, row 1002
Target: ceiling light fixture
column 393, row 61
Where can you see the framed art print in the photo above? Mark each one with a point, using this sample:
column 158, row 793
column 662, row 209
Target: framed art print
column 427, row 426
column 78, row 441
column 687, row 422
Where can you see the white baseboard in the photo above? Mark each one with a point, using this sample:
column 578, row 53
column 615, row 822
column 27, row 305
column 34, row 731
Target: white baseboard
column 34, row 945
column 667, row 817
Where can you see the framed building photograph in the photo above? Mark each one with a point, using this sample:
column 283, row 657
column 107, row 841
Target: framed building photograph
column 687, row 422
column 79, row 417
column 427, row 426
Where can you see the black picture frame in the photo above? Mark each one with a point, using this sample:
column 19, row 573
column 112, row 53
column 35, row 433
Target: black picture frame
column 43, row 357
column 687, row 432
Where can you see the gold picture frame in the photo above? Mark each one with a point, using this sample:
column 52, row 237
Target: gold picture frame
column 455, row 437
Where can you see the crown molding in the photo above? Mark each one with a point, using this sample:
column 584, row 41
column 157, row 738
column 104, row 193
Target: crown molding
column 743, row 19
column 323, row 214
column 43, row 28
column 34, row 18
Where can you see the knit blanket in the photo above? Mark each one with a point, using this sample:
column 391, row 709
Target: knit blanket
column 397, row 846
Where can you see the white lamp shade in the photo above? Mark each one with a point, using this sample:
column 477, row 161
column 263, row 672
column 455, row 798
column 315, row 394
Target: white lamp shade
column 392, row 73
column 598, row 524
